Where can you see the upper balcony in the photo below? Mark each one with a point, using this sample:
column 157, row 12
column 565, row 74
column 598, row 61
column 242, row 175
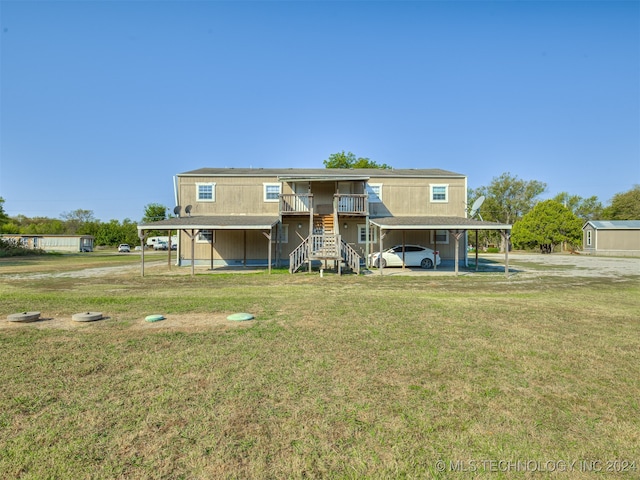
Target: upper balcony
column 347, row 204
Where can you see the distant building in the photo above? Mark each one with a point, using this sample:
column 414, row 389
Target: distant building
column 612, row 237
column 53, row 243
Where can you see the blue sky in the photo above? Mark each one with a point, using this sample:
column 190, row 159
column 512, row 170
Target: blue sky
column 102, row 103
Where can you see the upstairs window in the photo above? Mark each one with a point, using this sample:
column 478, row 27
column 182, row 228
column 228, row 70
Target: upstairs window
column 272, row 192
column 206, row 192
column 439, row 193
column 374, row 190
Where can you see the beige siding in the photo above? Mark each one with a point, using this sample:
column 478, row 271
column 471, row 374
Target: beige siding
column 619, row 239
column 233, row 195
column 232, row 246
column 400, row 196
column 412, row 196
column 245, row 195
column 618, row 242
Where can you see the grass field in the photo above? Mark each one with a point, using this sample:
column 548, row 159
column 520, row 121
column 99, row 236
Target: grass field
column 337, row 377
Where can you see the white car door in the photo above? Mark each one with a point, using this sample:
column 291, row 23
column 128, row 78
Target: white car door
column 393, row 257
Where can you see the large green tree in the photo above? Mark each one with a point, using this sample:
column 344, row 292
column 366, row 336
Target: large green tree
column 624, row 206
column 585, row 208
column 76, row 219
column 349, row 160
column 154, row 212
column 4, row 218
column 114, row 232
column 548, row 223
column 507, row 199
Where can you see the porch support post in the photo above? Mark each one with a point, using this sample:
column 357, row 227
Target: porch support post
column 456, row 234
column 336, row 222
column 192, row 236
column 211, row 251
column 435, row 250
column 367, row 245
column 244, row 248
column 193, row 254
column 279, row 228
column 476, row 250
column 339, row 249
column 505, row 236
column 269, row 235
column 142, row 236
column 169, row 251
column 381, row 235
column 310, row 237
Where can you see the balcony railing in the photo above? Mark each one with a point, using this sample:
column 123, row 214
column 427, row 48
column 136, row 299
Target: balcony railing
column 351, row 203
column 293, row 203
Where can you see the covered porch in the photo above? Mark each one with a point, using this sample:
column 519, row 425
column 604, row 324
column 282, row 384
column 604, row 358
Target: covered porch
column 200, row 232
column 456, row 227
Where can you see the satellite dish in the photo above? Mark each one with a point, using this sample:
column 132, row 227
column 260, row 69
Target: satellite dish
column 187, row 210
column 176, row 210
column 476, row 206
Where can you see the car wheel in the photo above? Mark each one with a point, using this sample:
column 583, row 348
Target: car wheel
column 426, row 263
column 384, row 263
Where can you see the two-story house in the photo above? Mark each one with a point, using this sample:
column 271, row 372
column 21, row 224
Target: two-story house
column 295, row 217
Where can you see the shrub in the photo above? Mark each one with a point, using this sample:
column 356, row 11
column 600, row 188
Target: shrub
column 11, row 248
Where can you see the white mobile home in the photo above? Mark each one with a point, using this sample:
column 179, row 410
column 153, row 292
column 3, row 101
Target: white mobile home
column 53, row 243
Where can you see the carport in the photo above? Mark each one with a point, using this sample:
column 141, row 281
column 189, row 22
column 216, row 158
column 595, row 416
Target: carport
column 193, row 226
column 456, row 226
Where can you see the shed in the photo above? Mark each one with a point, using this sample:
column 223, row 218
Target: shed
column 612, row 238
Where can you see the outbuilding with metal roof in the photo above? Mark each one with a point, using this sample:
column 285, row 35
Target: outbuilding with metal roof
column 612, row 237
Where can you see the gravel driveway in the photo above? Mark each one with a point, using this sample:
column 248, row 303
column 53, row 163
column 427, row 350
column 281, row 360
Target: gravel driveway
column 521, row 264
column 567, row 265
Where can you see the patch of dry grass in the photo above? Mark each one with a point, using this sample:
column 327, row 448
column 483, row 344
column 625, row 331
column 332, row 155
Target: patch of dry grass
column 338, row 377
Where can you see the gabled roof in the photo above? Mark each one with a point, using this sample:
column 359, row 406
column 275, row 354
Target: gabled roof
column 614, row 224
column 321, row 173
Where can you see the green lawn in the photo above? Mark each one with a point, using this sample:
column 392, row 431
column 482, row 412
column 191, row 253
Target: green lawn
column 338, row 377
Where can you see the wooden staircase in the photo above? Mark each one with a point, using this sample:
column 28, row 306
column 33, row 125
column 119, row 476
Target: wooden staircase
column 323, row 224
column 324, row 247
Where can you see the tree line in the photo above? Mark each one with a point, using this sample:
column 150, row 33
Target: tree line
column 507, row 199
column 514, row 201
column 545, row 223
column 81, row 222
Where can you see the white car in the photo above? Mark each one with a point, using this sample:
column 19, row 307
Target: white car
column 124, row 248
column 414, row 256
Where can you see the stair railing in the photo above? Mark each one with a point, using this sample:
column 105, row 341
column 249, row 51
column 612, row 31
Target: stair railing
column 350, row 257
column 299, row 256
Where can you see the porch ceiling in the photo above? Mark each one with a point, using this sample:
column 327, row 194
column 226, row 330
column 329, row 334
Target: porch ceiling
column 214, row 222
column 436, row 223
